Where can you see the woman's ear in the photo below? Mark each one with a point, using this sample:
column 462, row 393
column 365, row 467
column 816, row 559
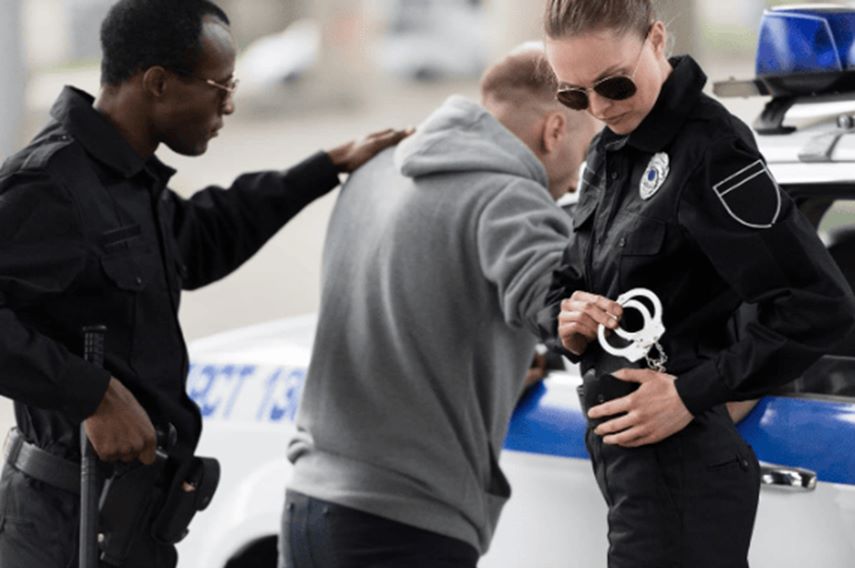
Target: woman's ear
column 659, row 38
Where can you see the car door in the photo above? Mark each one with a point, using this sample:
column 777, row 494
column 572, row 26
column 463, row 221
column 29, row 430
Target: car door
column 804, row 437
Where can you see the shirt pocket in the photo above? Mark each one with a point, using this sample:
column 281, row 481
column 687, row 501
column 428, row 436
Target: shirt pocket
column 124, row 271
column 640, row 249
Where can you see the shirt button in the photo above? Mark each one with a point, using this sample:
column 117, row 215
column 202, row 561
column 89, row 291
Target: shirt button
column 139, row 280
column 622, row 242
column 614, row 176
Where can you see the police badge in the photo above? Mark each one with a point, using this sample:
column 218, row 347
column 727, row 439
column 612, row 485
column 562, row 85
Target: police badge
column 654, row 176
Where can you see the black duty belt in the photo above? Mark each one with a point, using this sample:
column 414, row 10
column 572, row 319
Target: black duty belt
column 41, row 464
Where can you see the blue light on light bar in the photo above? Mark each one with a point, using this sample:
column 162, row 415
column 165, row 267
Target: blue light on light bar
column 806, row 40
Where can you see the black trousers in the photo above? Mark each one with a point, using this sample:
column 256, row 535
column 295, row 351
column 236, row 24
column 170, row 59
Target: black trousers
column 686, row 502
column 39, row 528
column 318, row 534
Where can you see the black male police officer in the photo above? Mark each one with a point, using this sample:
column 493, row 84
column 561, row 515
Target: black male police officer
column 677, row 199
column 90, row 234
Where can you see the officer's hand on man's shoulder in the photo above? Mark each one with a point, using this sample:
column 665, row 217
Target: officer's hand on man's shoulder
column 351, row 155
column 652, row 413
column 120, row 429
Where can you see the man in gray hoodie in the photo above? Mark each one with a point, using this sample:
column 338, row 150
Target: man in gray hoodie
column 438, row 257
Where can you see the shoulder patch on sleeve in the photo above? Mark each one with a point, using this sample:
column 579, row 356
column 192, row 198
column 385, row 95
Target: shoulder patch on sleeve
column 751, row 196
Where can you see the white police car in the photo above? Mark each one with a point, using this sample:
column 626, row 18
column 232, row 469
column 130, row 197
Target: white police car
column 248, row 382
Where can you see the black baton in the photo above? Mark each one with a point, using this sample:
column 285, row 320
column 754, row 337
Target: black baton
column 90, row 482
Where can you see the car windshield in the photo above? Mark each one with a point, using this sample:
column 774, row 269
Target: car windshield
column 832, row 210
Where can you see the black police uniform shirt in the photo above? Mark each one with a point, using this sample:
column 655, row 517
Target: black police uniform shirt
column 90, row 234
column 685, row 207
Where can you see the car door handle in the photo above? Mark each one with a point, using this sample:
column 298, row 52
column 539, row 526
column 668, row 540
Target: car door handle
column 786, row 477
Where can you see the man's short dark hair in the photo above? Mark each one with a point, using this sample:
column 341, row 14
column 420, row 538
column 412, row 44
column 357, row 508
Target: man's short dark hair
column 138, row 34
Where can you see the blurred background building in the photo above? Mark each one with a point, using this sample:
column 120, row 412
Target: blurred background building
column 314, row 73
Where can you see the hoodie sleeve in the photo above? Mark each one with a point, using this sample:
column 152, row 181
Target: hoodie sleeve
column 566, row 279
column 522, row 234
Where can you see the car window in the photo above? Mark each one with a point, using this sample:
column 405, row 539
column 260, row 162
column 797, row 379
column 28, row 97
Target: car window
column 839, row 215
column 834, row 374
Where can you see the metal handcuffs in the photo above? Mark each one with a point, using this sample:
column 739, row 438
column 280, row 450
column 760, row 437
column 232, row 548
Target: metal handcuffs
column 642, row 341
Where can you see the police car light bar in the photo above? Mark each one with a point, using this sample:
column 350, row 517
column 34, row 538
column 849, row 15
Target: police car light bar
column 804, row 52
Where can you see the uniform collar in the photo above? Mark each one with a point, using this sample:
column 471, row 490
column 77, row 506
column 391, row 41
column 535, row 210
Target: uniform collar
column 679, row 95
column 73, row 109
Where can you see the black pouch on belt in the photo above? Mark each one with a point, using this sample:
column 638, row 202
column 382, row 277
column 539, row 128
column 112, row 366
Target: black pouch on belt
column 599, row 388
column 201, row 476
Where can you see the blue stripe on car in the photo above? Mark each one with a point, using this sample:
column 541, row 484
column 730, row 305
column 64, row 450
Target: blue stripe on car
column 818, row 435
column 815, row 434
column 548, row 421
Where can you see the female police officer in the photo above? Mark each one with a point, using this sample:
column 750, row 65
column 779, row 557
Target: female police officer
column 677, row 199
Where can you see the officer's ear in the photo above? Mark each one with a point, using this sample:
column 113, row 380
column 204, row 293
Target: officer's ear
column 154, row 81
column 554, row 130
column 659, row 38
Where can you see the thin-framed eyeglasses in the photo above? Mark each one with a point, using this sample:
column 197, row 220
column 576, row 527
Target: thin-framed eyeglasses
column 614, row 87
column 229, row 87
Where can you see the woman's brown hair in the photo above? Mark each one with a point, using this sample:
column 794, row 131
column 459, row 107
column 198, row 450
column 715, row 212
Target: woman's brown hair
column 567, row 18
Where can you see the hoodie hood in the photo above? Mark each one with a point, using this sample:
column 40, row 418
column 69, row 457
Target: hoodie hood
column 461, row 136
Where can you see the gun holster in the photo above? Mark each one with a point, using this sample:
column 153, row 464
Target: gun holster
column 192, row 488
column 129, row 498
column 599, row 388
column 157, row 500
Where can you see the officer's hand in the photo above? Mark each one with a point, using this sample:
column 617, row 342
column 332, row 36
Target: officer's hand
column 120, row 430
column 654, row 412
column 353, row 154
column 580, row 316
column 536, row 372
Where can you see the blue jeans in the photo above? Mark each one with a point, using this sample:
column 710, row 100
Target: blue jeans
column 319, row 534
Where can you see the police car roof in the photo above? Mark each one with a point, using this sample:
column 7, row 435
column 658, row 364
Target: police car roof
column 806, row 62
column 281, row 342
column 818, row 152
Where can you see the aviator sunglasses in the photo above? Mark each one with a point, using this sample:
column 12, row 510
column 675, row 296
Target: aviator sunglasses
column 614, row 87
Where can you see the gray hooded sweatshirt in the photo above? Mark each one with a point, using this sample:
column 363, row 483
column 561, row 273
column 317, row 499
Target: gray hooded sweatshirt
column 438, row 257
